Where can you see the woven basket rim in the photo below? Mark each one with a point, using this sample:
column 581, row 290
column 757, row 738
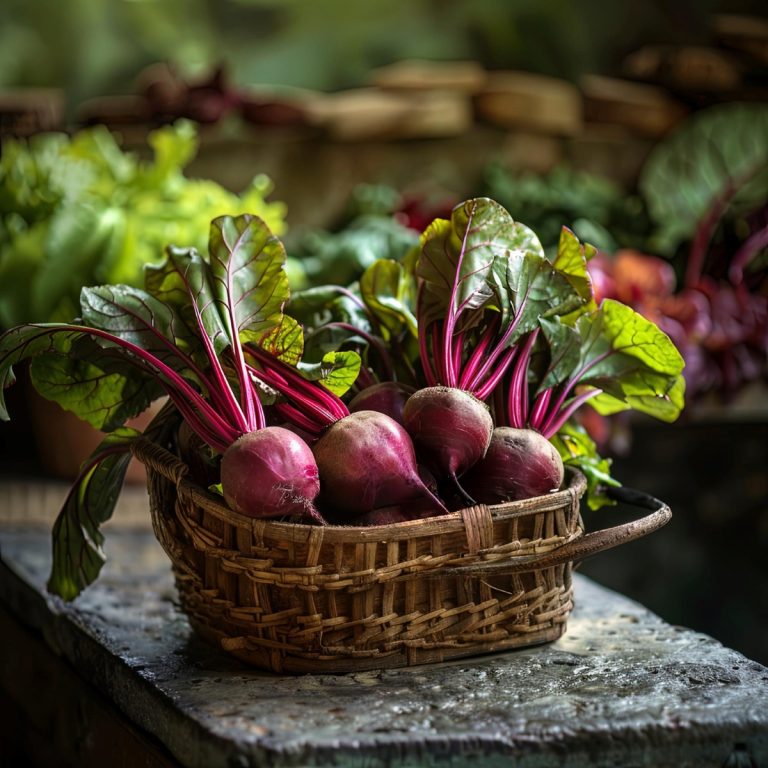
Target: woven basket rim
column 172, row 466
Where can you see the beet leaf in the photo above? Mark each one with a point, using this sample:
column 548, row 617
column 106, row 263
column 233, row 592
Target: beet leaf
column 485, row 283
column 717, row 161
column 97, row 384
column 77, row 539
column 614, row 359
column 578, row 450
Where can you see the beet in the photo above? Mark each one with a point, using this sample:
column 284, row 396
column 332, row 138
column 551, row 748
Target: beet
column 270, row 473
column 450, row 428
column 366, row 461
column 519, row 464
column 385, row 397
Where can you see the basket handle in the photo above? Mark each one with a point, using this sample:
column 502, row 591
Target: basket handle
column 581, row 548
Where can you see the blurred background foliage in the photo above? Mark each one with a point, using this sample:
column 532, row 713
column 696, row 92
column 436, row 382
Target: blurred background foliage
column 95, row 47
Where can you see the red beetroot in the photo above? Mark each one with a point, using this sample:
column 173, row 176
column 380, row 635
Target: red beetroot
column 519, row 464
column 450, row 428
column 366, row 461
column 270, row 473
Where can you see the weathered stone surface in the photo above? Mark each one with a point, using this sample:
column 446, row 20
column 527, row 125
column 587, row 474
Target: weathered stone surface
column 622, row 687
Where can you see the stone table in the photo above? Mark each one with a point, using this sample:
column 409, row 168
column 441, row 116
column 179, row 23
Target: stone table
column 118, row 678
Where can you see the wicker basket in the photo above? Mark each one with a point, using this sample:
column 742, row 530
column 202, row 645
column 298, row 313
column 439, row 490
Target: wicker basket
column 302, row 598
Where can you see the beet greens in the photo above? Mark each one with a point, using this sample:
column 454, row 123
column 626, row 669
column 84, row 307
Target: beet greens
column 484, row 283
column 182, row 337
column 466, row 358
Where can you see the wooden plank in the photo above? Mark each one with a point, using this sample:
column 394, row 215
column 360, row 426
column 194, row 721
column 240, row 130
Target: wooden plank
column 535, row 102
column 644, row 110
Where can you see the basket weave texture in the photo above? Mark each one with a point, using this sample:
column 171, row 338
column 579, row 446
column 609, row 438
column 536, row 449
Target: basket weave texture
column 300, row 598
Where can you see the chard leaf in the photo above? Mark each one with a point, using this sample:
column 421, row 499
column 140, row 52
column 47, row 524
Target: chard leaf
column 457, row 258
column 716, row 159
column 77, row 538
column 250, row 285
column 337, row 371
column 578, row 450
column 389, row 293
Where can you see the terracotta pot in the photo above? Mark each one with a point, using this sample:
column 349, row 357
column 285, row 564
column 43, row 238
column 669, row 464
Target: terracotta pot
column 63, row 441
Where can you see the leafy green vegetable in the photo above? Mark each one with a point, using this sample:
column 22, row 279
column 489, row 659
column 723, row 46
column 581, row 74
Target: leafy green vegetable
column 593, row 207
column 247, row 270
column 285, row 340
column 718, row 158
column 96, row 385
column 341, row 257
column 484, row 284
column 578, row 450
column 77, row 539
column 614, row 359
column 389, row 293
column 571, row 261
column 80, row 211
column 130, row 344
column 457, row 259
column 337, row 371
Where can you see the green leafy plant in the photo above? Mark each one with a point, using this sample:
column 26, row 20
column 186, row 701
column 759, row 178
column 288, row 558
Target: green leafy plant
column 594, row 207
column 715, row 165
column 507, row 341
column 81, row 211
column 705, row 187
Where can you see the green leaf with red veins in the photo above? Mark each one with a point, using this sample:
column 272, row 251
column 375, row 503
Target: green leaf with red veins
column 655, row 394
column 457, row 258
column 183, row 282
column 616, row 332
column 136, row 317
column 249, row 281
column 536, row 290
column 337, row 371
column 716, row 158
column 95, row 384
column 285, row 341
column 631, row 360
column 564, row 352
column 77, row 538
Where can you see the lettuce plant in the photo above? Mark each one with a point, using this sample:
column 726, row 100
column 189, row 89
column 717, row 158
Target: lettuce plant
column 81, row 211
